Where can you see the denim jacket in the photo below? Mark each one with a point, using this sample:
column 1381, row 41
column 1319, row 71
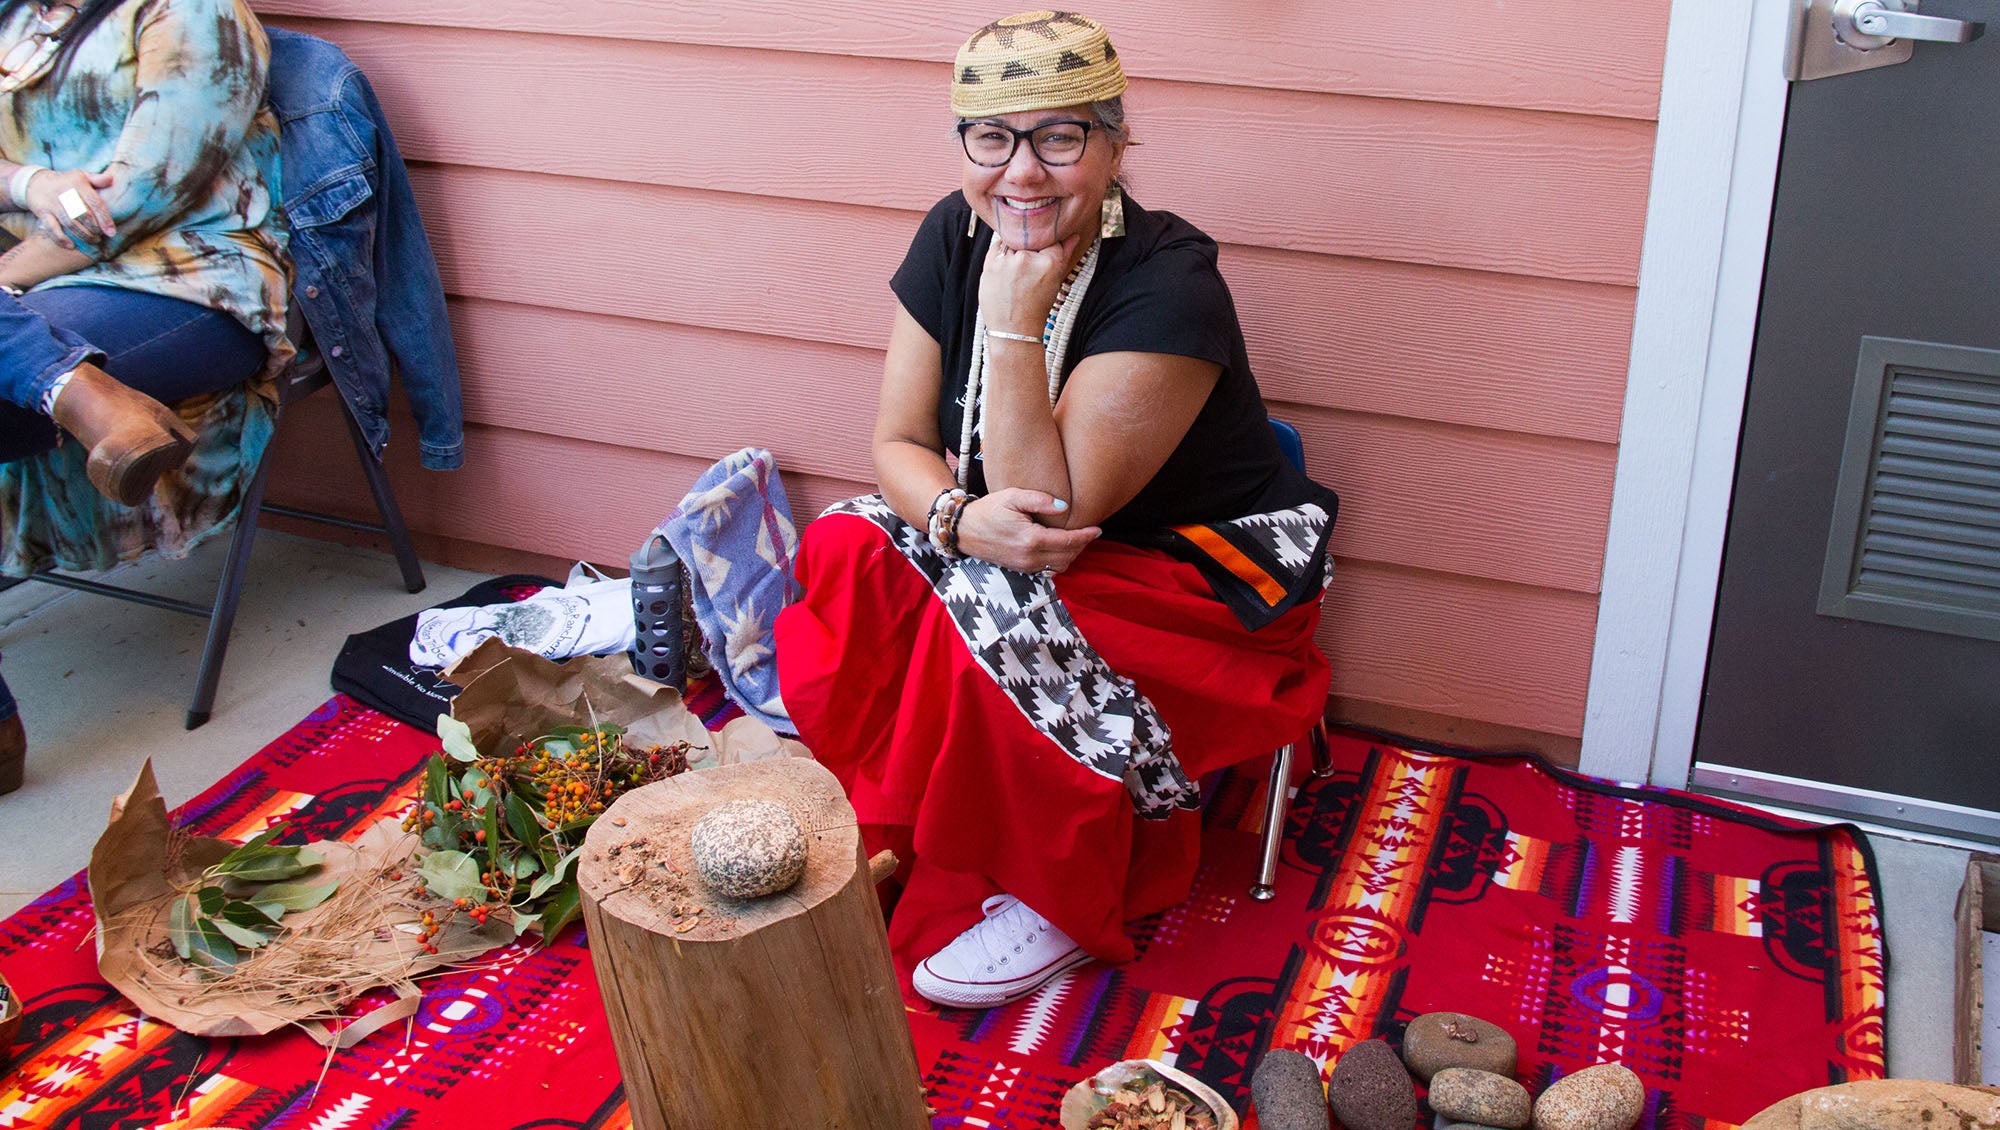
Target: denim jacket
column 366, row 282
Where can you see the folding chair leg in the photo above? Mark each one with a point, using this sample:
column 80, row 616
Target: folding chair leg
column 1322, row 753
column 1274, row 824
column 385, row 505
column 223, row 617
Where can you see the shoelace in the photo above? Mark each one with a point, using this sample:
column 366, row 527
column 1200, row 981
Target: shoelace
column 1011, row 919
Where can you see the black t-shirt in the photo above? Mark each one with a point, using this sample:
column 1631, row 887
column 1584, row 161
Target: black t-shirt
column 1157, row 290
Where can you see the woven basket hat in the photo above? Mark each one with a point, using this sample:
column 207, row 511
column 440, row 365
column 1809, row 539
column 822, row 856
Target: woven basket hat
column 1034, row 61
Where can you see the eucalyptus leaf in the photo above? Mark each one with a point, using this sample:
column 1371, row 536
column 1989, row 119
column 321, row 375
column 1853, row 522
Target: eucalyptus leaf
column 523, row 866
column 248, row 914
column 553, row 876
column 259, row 840
column 493, row 837
column 243, row 936
column 521, row 821
column 211, row 947
column 457, row 738
column 561, row 911
column 270, row 869
column 180, row 925
column 211, row 900
column 297, row 896
column 269, row 908
column 437, row 782
column 470, row 782
column 526, row 923
column 452, row 875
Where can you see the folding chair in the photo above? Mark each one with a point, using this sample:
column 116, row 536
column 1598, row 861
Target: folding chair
column 306, row 375
column 1277, row 799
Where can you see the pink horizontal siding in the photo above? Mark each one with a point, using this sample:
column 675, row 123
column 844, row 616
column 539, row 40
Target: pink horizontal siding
column 1589, row 58
column 667, row 231
column 1555, row 195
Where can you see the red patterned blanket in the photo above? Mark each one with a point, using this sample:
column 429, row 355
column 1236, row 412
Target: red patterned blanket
column 1729, row 958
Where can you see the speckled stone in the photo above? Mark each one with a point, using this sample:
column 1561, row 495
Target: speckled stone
column 1370, row 1090
column 1605, row 1097
column 747, row 849
column 1470, row 1095
column 1885, row 1104
column 1437, row 1040
column 1287, row 1093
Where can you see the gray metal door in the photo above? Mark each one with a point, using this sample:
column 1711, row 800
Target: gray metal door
column 1855, row 660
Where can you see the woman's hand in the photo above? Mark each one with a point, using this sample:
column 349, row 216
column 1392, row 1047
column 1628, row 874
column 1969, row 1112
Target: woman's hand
column 1001, row 528
column 45, row 199
column 1017, row 288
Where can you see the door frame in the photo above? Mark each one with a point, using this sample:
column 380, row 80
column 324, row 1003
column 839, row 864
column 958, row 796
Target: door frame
column 1701, row 270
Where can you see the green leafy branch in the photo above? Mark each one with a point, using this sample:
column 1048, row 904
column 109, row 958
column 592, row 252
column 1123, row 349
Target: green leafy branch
column 502, row 833
column 239, row 905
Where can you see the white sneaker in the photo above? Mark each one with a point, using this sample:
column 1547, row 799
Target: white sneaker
column 1006, row 956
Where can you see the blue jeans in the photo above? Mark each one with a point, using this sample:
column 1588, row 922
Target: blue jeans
column 163, row 347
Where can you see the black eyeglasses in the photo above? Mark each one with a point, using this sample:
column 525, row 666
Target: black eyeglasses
column 1053, row 143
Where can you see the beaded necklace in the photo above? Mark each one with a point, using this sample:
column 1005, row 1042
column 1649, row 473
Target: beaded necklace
column 1055, row 343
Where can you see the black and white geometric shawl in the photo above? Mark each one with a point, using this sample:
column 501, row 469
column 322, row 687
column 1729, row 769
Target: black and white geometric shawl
column 1022, row 636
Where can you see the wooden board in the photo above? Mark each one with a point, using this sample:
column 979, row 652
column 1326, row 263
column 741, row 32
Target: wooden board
column 1978, row 913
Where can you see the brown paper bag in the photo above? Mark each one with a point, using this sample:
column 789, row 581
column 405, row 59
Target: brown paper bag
column 366, row 936
column 509, row 696
column 363, row 938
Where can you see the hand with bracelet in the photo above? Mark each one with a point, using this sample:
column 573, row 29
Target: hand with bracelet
column 1003, row 528
column 67, row 202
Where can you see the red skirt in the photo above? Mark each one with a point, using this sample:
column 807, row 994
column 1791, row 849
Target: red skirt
column 943, row 767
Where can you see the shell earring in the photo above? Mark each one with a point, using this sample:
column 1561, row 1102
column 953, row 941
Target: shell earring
column 1111, row 222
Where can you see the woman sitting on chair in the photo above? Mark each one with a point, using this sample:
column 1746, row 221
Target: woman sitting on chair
column 148, row 264
column 1090, row 577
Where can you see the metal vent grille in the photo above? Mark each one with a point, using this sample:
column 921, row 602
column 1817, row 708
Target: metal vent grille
column 1916, row 535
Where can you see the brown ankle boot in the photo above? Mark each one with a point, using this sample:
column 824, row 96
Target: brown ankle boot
column 13, row 754
column 133, row 439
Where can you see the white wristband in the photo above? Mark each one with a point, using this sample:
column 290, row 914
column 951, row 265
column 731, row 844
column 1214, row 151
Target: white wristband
column 17, row 185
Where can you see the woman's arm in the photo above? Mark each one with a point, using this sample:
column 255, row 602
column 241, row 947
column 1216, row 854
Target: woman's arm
column 37, row 259
column 909, row 455
column 1120, row 416
column 1004, row 526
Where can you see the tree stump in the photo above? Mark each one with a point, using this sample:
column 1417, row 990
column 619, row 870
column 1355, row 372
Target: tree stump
column 781, row 1011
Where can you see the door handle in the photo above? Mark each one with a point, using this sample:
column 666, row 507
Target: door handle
column 1868, row 24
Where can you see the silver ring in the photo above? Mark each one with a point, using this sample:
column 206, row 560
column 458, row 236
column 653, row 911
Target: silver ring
column 72, row 203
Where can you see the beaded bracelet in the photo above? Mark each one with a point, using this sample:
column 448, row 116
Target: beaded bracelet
column 941, row 525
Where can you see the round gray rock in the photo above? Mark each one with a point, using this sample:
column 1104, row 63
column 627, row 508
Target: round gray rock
column 1606, row 1097
column 1469, row 1095
column 1287, row 1093
column 747, row 849
column 1437, row 1040
column 1370, row 1090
